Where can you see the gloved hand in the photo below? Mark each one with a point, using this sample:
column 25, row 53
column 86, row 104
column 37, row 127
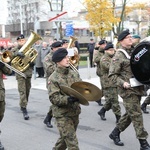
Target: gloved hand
column 72, row 99
column 32, row 64
column 1, row 65
column 20, row 54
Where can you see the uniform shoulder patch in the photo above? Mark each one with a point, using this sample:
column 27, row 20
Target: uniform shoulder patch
column 115, row 59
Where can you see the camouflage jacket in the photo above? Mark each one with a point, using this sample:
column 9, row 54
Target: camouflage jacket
column 48, row 64
column 3, row 70
column 104, row 66
column 120, row 72
column 97, row 58
column 61, row 107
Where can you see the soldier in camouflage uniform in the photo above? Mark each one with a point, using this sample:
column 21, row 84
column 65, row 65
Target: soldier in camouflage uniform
column 66, row 109
column 109, row 89
column 3, row 70
column 145, row 103
column 98, row 53
column 24, row 85
column 49, row 67
column 120, row 73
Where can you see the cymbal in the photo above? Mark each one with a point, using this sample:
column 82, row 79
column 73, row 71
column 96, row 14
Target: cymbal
column 71, row 92
column 88, row 90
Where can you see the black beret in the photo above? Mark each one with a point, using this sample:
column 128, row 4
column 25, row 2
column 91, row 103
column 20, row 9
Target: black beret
column 20, row 37
column 108, row 46
column 123, row 34
column 59, row 55
column 56, row 44
column 65, row 41
column 102, row 42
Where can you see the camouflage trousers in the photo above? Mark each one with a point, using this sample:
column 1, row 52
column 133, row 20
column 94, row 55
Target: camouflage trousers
column 133, row 115
column 24, row 86
column 111, row 98
column 2, row 104
column 50, row 111
column 67, row 127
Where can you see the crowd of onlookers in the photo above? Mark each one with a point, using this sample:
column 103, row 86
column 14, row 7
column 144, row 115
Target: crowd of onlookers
column 42, row 47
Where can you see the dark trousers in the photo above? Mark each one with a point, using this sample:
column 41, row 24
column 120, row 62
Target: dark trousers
column 40, row 71
column 91, row 59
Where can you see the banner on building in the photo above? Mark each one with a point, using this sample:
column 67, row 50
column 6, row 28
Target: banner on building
column 4, row 42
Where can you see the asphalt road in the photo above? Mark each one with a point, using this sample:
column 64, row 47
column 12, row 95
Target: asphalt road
column 92, row 133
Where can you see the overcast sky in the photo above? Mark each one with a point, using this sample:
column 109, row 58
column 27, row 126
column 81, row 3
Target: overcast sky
column 3, row 12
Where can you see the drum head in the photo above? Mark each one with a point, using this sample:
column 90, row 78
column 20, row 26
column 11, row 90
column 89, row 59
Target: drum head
column 140, row 62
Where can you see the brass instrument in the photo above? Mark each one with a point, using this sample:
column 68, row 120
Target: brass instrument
column 73, row 59
column 71, row 92
column 6, row 58
column 22, row 64
column 83, row 91
column 88, row 90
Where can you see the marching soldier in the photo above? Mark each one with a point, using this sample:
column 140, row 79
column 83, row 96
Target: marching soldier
column 24, row 85
column 109, row 89
column 98, row 53
column 3, row 70
column 146, row 101
column 136, row 40
column 65, row 43
column 120, row 73
column 66, row 109
column 49, row 67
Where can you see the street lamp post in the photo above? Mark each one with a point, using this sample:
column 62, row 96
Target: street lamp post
column 21, row 27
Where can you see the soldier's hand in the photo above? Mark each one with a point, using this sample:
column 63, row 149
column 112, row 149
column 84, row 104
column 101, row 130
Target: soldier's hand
column 1, row 65
column 20, row 54
column 126, row 85
column 72, row 99
column 32, row 64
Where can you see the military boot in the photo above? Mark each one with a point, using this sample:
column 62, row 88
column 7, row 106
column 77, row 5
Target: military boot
column 117, row 118
column 47, row 121
column 99, row 102
column 143, row 107
column 25, row 113
column 102, row 113
column 1, row 146
column 144, row 144
column 115, row 136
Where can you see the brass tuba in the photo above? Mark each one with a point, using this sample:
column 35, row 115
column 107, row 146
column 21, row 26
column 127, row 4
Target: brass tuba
column 22, row 64
column 73, row 59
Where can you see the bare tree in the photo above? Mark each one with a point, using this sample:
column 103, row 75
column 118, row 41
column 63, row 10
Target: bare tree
column 58, row 24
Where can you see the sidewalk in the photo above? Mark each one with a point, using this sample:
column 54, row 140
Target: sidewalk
column 88, row 75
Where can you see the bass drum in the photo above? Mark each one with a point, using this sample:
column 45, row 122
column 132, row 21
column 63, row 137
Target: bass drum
column 140, row 62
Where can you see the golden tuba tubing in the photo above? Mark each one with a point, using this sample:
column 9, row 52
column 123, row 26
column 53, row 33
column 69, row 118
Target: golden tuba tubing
column 73, row 59
column 22, row 64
